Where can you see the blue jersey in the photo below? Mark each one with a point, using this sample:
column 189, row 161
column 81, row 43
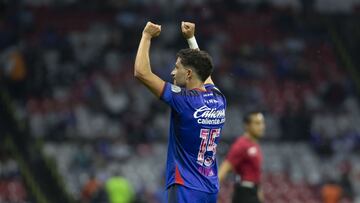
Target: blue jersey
column 197, row 119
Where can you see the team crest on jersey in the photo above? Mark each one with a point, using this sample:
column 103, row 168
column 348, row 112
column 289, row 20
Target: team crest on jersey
column 252, row 151
column 175, row 89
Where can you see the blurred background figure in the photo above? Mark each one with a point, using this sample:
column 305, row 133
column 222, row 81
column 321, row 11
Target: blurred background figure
column 12, row 187
column 331, row 192
column 69, row 105
column 91, row 190
column 119, row 190
column 245, row 158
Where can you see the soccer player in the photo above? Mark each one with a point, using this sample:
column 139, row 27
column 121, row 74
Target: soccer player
column 197, row 117
column 245, row 159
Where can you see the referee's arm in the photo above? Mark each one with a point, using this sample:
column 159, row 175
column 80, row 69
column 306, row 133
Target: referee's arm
column 232, row 159
column 225, row 168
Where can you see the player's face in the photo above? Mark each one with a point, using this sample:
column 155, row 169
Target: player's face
column 256, row 127
column 180, row 74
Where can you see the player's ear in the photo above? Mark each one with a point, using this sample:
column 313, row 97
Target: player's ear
column 189, row 73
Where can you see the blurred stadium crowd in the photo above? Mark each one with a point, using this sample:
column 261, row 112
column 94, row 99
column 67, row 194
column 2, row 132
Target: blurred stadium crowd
column 12, row 188
column 68, row 65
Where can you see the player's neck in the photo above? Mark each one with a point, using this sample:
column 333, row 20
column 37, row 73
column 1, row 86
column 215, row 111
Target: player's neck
column 252, row 138
column 195, row 84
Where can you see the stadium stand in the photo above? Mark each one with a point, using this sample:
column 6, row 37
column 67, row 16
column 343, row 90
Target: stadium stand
column 12, row 187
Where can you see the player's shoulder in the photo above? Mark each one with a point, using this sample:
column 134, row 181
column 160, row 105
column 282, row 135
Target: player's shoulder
column 243, row 141
column 216, row 91
column 176, row 90
column 239, row 144
column 179, row 90
column 241, row 138
column 210, row 86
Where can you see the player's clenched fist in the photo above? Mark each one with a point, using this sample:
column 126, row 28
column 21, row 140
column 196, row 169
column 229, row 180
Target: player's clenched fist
column 152, row 30
column 188, row 29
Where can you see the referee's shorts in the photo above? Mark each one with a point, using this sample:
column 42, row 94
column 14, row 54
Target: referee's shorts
column 244, row 193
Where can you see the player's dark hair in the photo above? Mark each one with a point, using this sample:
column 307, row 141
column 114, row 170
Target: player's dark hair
column 198, row 60
column 247, row 116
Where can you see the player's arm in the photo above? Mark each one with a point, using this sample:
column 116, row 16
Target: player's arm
column 261, row 195
column 142, row 68
column 188, row 31
column 225, row 168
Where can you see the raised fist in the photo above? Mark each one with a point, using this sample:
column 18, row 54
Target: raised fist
column 152, row 30
column 188, row 29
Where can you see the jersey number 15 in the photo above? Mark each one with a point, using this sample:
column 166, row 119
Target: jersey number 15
column 207, row 144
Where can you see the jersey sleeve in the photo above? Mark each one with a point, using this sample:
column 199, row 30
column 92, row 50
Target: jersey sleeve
column 174, row 96
column 210, row 86
column 236, row 154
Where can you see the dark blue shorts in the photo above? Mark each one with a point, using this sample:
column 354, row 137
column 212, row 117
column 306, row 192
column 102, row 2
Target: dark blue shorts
column 180, row 194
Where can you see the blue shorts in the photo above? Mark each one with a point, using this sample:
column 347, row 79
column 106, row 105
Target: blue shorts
column 181, row 194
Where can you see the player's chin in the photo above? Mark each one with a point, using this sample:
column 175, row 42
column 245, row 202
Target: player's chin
column 177, row 83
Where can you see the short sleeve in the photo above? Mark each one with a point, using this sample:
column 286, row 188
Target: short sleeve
column 174, row 96
column 236, row 153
